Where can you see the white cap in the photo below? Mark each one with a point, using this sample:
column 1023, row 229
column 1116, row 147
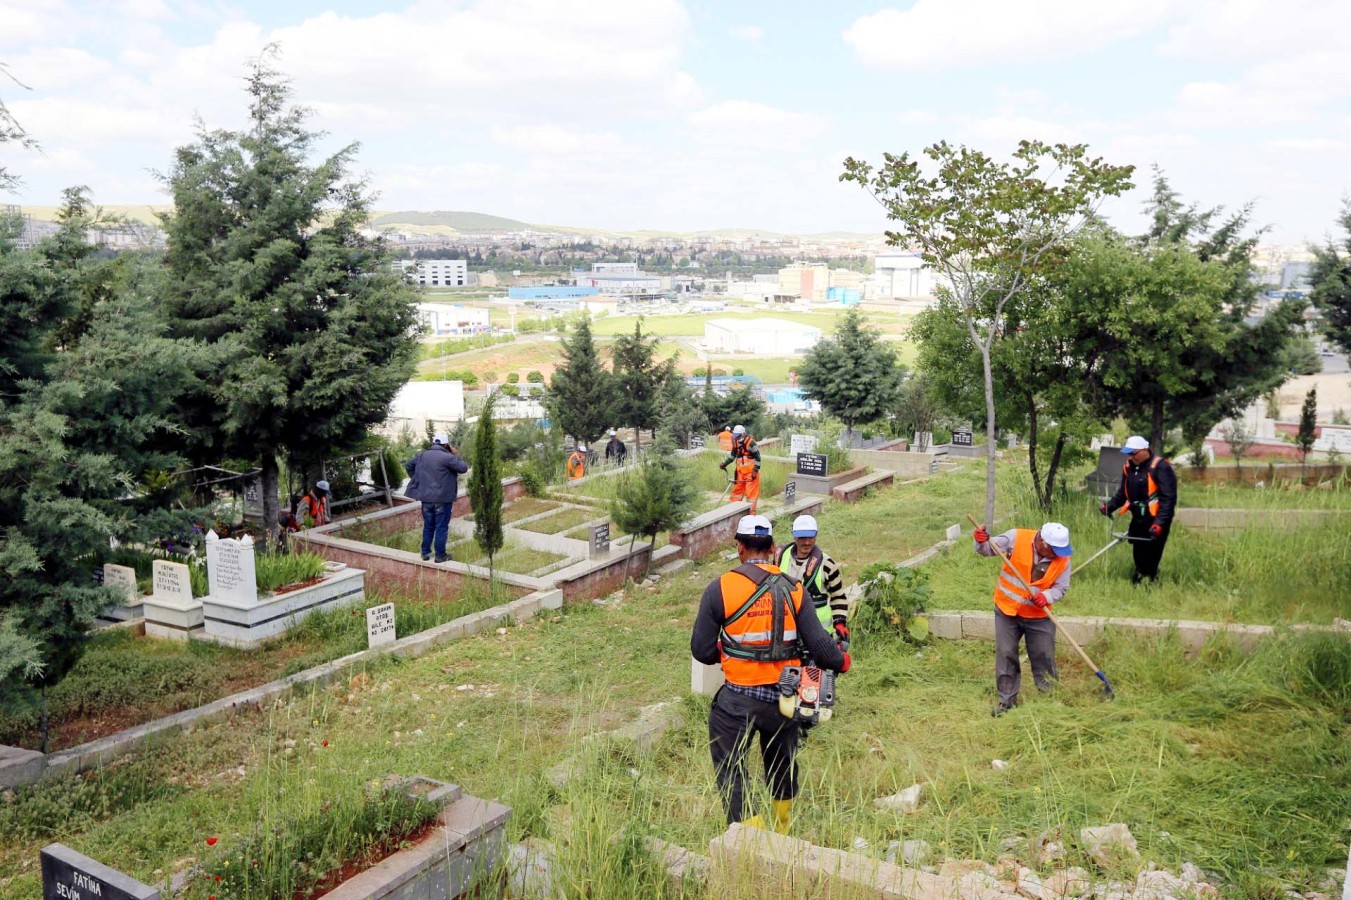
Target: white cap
column 441, row 438
column 322, row 485
column 739, row 430
column 581, row 448
column 1135, row 442
column 1058, row 536
column 753, row 525
column 804, row 526
column 612, row 432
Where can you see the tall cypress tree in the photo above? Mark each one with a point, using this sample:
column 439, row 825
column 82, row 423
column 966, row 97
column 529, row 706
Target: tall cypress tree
column 267, row 259
column 639, row 378
column 485, row 485
column 581, row 392
column 1308, row 425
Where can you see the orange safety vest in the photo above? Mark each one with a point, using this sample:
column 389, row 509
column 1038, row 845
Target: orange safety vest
column 1009, row 594
column 316, row 510
column 1152, row 501
column 576, row 465
column 749, row 628
column 725, row 440
column 745, row 470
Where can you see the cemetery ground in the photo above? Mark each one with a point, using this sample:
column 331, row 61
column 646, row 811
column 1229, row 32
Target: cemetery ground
column 1238, row 763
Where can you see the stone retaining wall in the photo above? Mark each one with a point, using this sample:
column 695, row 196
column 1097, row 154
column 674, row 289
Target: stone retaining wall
column 853, row 491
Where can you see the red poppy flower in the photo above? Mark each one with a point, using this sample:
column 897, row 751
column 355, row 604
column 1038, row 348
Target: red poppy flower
column 324, row 743
column 211, row 842
column 218, row 878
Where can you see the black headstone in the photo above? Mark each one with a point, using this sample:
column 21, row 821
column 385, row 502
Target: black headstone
column 696, row 443
column 600, row 539
column 789, row 492
column 67, row 875
column 811, row 464
column 1103, row 481
column 963, row 438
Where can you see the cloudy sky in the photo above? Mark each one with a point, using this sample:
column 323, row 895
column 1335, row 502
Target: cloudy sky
column 698, row 114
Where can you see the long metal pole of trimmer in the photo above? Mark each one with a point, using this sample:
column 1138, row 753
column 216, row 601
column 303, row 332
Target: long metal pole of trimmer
column 1079, row 568
column 1102, row 676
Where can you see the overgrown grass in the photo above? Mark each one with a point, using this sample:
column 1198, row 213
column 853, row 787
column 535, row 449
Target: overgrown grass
column 1281, row 496
column 277, row 570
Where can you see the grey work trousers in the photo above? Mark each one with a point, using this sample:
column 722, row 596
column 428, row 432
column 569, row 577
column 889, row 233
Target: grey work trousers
column 1008, row 674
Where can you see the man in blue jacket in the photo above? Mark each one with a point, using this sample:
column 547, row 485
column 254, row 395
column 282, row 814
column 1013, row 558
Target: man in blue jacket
column 434, row 478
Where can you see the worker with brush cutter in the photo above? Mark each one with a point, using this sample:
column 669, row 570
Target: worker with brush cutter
column 1149, row 491
column 757, row 622
column 1040, row 560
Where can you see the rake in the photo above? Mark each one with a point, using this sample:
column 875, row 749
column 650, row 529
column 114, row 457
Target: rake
column 1107, row 692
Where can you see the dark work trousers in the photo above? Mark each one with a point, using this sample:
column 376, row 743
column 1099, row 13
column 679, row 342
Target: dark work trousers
column 1008, row 674
column 732, row 723
column 1147, row 552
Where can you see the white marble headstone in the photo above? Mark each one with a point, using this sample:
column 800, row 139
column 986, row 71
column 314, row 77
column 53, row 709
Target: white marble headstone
column 230, row 568
column 123, row 579
column 172, row 582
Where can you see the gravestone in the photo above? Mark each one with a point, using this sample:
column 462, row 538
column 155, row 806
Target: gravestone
column 172, row 582
column 923, row 440
column 963, row 437
column 67, row 875
column 600, row 540
column 933, row 466
column 801, row 443
column 697, row 443
column 954, row 532
column 789, row 492
column 1012, row 440
column 253, row 498
column 230, row 568
column 1104, row 481
column 811, row 464
column 380, row 625
column 123, row 579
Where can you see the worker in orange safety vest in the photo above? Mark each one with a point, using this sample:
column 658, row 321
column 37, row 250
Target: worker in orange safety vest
column 745, row 454
column 1041, row 558
column 576, row 464
column 1149, row 493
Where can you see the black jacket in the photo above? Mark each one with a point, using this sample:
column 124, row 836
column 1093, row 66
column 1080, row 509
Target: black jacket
column 713, row 614
column 1137, row 477
column 434, row 475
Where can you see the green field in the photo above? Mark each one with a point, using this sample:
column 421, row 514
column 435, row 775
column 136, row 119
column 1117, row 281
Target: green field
column 692, row 324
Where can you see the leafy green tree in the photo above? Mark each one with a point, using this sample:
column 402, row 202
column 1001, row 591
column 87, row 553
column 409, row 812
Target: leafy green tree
column 581, row 395
column 1308, row 425
column 739, row 406
column 989, row 229
column 266, row 259
column 680, row 412
column 86, row 415
column 657, row 497
column 853, row 374
column 1331, row 279
column 11, row 132
column 485, row 485
column 639, row 377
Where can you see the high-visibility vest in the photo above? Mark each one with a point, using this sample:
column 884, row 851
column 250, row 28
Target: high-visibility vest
column 725, row 440
column 1009, row 594
column 316, row 510
column 576, row 467
column 745, row 470
column 1152, row 501
column 811, row 579
column 757, row 639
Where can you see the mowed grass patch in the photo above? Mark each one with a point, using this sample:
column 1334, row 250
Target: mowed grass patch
column 1237, row 763
column 562, row 520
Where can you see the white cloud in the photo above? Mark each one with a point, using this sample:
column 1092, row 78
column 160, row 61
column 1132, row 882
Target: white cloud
column 27, row 22
column 946, row 34
column 1308, row 145
column 752, row 34
column 747, row 115
column 1237, row 30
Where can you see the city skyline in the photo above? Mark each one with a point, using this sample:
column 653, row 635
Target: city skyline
column 658, row 114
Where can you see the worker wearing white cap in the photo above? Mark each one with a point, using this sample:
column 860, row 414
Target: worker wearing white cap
column 575, row 467
column 315, row 505
column 820, row 575
column 1149, row 492
column 1041, row 559
column 755, row 622
column 745, row 453
column 615, row 451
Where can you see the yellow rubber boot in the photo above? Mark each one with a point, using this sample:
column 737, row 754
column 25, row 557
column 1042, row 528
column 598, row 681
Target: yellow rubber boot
column 783, row 812
column 755, row 821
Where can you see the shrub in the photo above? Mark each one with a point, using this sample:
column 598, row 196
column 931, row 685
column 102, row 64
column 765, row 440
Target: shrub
column 893, row 598
column 510, row 390
column 535, row 377
column 738, row 371
column 514, row 378
column 276, row 570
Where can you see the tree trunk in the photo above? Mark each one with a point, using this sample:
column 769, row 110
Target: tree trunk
column 1054, row 468
column 1156, row 428
column 651, row 549
column 269, row 474
column 989, row 433
column 1032, row 447
column 633, row 539
column 44, row 724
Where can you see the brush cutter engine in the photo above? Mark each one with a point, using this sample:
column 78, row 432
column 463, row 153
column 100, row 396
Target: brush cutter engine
column 807, row 694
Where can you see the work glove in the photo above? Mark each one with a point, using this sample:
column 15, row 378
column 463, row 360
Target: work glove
column 981, row 535
column 1105, row 511
column 1155, row 530
column 847, row 663
column 723, row 465
column 1040, row 601
column 841, row 632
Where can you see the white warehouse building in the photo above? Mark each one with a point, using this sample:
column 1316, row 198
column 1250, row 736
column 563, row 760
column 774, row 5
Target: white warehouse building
column 419, row 402
column 761, row 337
column 436, row 272
column 898, row 275
column 445, row 318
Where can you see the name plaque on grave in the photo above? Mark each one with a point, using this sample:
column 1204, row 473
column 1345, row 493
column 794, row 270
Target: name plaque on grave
column 963, row 438
column 67, row 875
column 380, row 625
column 123, row 579
column 789, row 492
column 696, row 443
column 811, row 464
column 600, row 540
column 801, row 443
column 230, row 568
column 172, row 582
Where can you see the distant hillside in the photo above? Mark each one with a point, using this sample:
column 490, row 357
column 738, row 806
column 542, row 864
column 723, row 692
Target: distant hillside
column 458, row 220
column 134, row 212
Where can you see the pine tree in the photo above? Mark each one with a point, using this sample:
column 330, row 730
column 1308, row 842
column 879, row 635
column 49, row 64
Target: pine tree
column 485, row 486
column 639, row 377
column 581, row 395
column 266, row 258
column 1308, row 425
column 853, row 374
column 657, row 497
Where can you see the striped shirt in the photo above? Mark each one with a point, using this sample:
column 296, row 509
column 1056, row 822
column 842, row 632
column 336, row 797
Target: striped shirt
column 831, row 581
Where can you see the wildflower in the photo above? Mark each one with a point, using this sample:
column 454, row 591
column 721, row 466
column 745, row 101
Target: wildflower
column 217, row 878
column 211, row 842
column 324, row 743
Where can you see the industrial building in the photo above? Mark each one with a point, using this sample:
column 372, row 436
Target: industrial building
column 436, row 272
column 418, row 403
column 759, row 337
column 620, row 280
column 900, row 275
column 443, row 318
